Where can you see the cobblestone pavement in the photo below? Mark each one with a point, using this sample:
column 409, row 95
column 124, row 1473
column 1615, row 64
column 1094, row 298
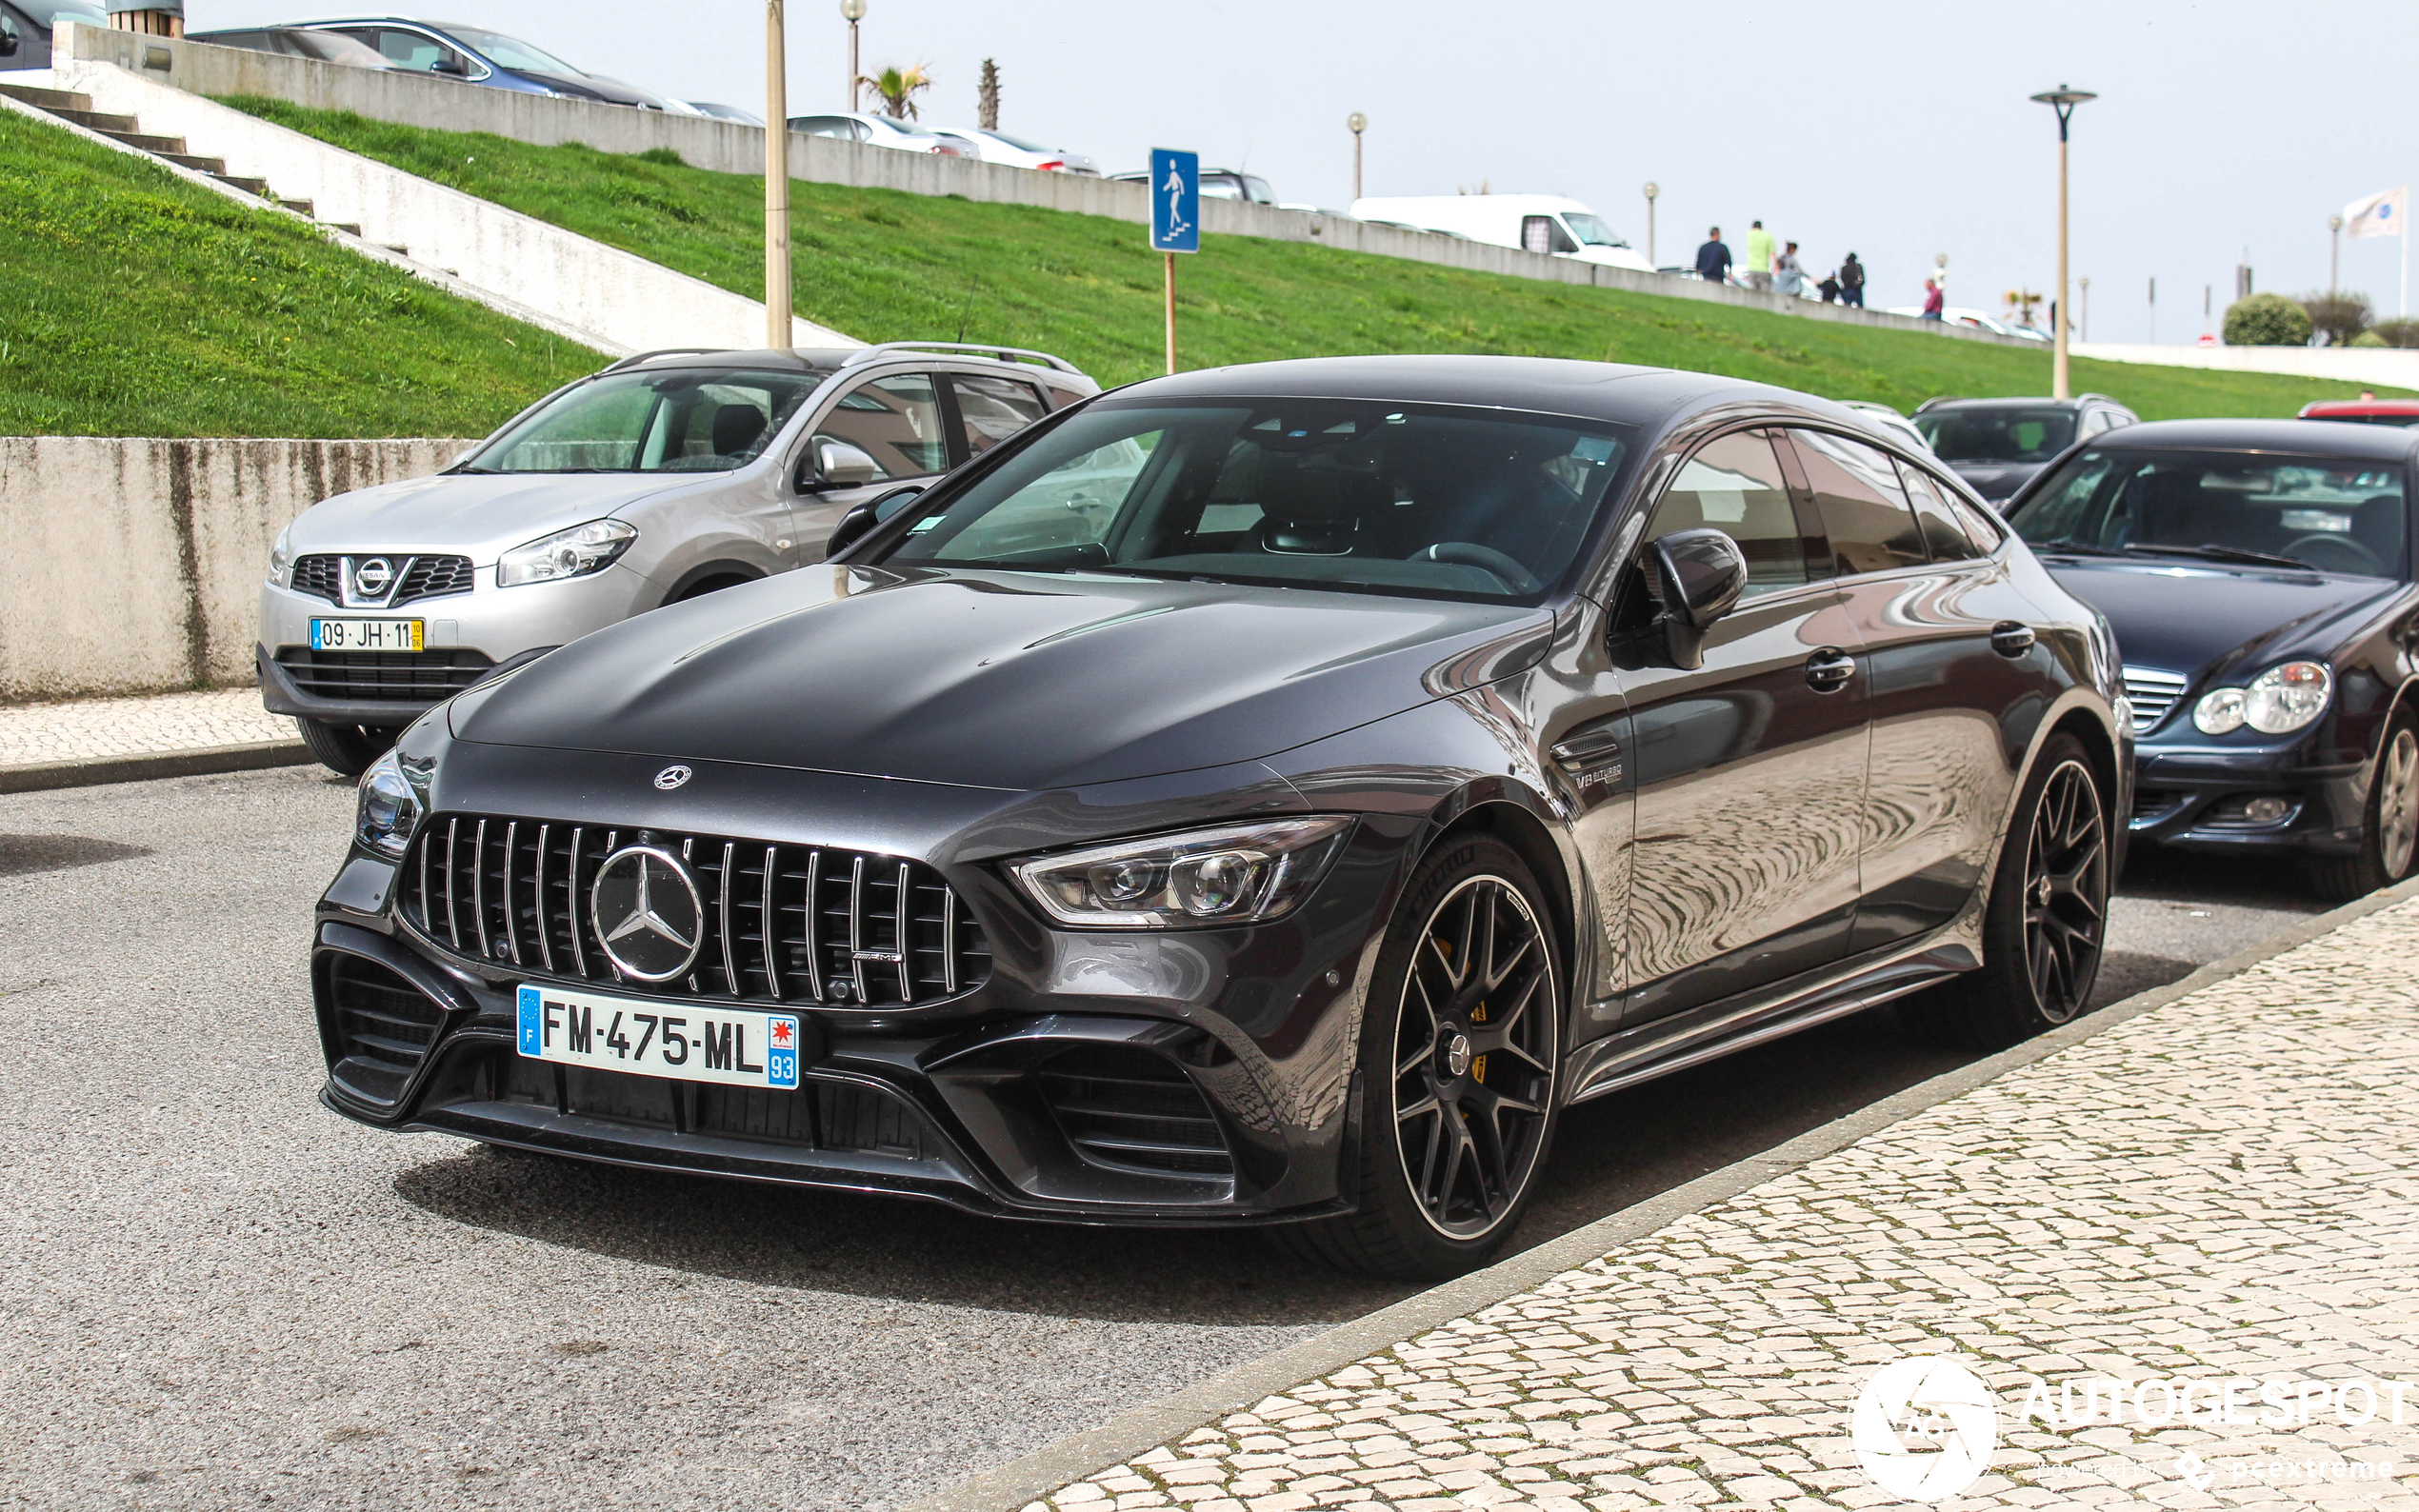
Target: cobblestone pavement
column 87, row 729
column 2223, row 1187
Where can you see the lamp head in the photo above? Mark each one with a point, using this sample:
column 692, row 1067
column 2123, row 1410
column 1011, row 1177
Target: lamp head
column 853, row 11
column 1358, row 122
column 2063, row 97
column 1653, row 189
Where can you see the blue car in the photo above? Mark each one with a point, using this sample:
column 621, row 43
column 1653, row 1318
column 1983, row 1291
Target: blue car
column 25, row 26
column 476, row 55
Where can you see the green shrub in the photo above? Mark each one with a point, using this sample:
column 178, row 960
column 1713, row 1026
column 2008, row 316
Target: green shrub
column 2369, row 338
column 2267, row 320
column 2398, row 332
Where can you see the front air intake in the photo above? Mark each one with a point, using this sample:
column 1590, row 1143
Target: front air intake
column 1134, row 1109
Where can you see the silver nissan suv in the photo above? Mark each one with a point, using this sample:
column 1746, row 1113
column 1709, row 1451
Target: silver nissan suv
column 664, row 476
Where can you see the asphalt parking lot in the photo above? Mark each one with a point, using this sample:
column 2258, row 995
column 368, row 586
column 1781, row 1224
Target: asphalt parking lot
column 217, row 1293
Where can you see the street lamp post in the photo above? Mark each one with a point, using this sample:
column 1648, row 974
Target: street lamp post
column 2334, row 248
column 1358, row 123
column 2083, row 322
column 1652, row 189
column 854, row 11
column 2062, row 100
column 777, row 327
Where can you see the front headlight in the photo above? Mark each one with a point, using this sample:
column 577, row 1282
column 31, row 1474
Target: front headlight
column 281, row 557
column 572, row 553
column 393, row 801
column 1234, row 874
column 2281, row 699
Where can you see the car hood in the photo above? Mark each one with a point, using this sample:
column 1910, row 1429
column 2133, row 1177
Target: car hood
column 479, row 514
column 1003, row 679
column 589, row 86
column 1997, row 480
column 2195, row 620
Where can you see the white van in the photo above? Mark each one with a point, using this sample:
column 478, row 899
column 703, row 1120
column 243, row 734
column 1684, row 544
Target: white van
column 1538, row 222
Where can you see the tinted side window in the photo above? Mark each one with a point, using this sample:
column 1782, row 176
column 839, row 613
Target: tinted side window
column 995, row 409
column 896, row 421
column 837, row 127
column 1943, row 531
column 1864, row 511
column 1734, row 484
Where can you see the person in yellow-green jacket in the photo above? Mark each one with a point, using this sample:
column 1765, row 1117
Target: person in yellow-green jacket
column 1759, row 258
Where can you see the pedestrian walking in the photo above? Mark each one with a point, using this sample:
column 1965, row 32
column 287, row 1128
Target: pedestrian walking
column 1713, row 259
column 1851, row 282
column 1759, row 258
column 1788, row 275
column 1933, row 299
column 1829, row 288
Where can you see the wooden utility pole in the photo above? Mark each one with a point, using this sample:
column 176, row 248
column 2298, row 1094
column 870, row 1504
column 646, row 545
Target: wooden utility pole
column 778, row 325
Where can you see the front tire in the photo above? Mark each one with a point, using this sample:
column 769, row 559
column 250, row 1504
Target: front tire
column 2046, row 923
column 344, row 750
column 1458, row 1073
column 2390, row 833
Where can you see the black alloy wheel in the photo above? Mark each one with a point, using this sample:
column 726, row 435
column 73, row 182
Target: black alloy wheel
column 344, row 750
column 2046, row 923
column 1459, row 1054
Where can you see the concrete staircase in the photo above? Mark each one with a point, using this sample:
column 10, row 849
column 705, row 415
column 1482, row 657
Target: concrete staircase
column 69, row 106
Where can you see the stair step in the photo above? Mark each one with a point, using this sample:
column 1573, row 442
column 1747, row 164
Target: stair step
column 348, row 227
column 146, row 142
column 399, row 252
column 298, row 207
column 214, row 166
column 250, row 185
column 98, row 120
column 47, row 99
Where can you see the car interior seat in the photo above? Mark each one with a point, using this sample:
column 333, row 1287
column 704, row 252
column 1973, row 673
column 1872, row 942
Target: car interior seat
column 2376, row 526
column 736, row 428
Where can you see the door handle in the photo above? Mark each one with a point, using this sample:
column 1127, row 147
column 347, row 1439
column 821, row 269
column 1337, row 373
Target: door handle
column 2011, row 640
column 1828, row 671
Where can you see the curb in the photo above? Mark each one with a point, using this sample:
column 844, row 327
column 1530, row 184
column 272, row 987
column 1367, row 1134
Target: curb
column 34, row 777
column 1012, row 1485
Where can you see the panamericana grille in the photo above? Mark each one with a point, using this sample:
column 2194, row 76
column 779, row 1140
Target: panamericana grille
column 424, row 577
column 1130, row 1108
column 2153, row 694
column 384, row 1027
column 848, row 927
column 421, row 677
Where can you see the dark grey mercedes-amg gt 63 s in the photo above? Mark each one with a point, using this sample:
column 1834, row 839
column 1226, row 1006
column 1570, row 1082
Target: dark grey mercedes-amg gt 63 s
column 1263, row 795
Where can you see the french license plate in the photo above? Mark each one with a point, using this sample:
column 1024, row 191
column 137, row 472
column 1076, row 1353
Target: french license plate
column 687, row 1042
column 368, row 635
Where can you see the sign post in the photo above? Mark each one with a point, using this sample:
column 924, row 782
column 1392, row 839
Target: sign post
column 1175, row 219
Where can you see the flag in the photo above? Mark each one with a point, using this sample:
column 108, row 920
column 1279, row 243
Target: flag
column 2379, row 214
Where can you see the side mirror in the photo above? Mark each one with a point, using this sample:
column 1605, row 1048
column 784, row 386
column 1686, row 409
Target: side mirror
column 452, row 68
column 1699, row 575
column 838, row 465
column 861, row 519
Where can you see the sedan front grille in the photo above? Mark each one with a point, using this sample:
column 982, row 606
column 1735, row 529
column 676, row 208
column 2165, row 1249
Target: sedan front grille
column 403, row 677
column 848, row 928
column 424, row 577
column 2153, row 695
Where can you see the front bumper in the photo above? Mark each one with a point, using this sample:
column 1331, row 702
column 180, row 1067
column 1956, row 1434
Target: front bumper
column 2203, row 801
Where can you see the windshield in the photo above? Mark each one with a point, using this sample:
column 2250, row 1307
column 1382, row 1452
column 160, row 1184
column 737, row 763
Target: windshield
column 684, row 420
column 509, row 53
column 1590, row 229
column 2337, row 516
column 2011, row 434
column 1423, row 500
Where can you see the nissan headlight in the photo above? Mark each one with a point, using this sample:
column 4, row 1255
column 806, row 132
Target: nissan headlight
column 1233, row 874
column 2279, row 700
column 281, row 558
column 393, row 801
column 572, row 553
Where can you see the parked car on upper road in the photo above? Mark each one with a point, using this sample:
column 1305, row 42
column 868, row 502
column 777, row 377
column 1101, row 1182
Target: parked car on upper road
column 661, row 478
column 2259, row 576
column 881, row 131
column 1218, row 184
column 1891, row 423
column 1536, row 223
column 2363, row 411
column 724, row 112
column 1998, row 445
column 1010, row 152
column 1263, row 795
column 298, row 41
column 26, row 28
column 476, row 55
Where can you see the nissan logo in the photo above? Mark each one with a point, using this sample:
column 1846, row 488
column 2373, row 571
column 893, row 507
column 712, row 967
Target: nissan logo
column 672, row 777
column 372, row 576
column 649, row 915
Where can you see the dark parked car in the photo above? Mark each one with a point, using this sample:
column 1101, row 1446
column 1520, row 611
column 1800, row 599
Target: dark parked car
column 1997, row 446
column 2259, row 576
column 25, row 26
column 1262, row 795
column 477, row 55
column 297, row 41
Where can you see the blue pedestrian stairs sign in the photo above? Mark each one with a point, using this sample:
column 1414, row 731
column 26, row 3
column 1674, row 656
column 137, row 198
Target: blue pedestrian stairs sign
column 1175, row 201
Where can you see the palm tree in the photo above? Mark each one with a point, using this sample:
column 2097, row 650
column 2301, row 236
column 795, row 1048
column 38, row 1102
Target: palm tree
column 898, row 88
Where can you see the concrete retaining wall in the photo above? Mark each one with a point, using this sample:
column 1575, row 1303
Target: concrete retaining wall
column 135, row 566
column 448, row 105
column 2387, row 367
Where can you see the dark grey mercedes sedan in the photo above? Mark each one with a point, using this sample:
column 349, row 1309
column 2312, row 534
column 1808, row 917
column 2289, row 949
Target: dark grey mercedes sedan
column 1264, row 795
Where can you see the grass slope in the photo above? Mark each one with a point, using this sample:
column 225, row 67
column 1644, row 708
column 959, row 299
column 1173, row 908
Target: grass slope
column 141, row 305
column 885, row 265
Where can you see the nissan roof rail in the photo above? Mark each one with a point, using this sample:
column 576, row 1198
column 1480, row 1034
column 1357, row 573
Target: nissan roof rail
column 637, row 357
column 972, row 348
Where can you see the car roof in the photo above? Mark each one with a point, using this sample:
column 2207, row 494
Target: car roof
column 2313, row 438
column 823, row 359
column 2020, row 401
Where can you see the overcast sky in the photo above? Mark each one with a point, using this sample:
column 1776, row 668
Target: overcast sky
column 1895, row 129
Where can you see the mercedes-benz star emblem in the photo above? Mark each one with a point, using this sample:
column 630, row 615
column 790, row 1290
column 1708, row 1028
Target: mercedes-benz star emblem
column 371, row 576
column 672, row 777
column 1457, row 1054
column 647, row 913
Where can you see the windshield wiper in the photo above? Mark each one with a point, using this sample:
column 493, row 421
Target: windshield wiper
column 2072, row 546
column 2221, row 553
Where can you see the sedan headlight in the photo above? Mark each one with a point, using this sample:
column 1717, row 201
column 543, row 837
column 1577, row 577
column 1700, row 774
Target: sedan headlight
column 2281, row 699
column 1235, row 874
column 393, row 799
column 572, row 553
column 281, row 557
